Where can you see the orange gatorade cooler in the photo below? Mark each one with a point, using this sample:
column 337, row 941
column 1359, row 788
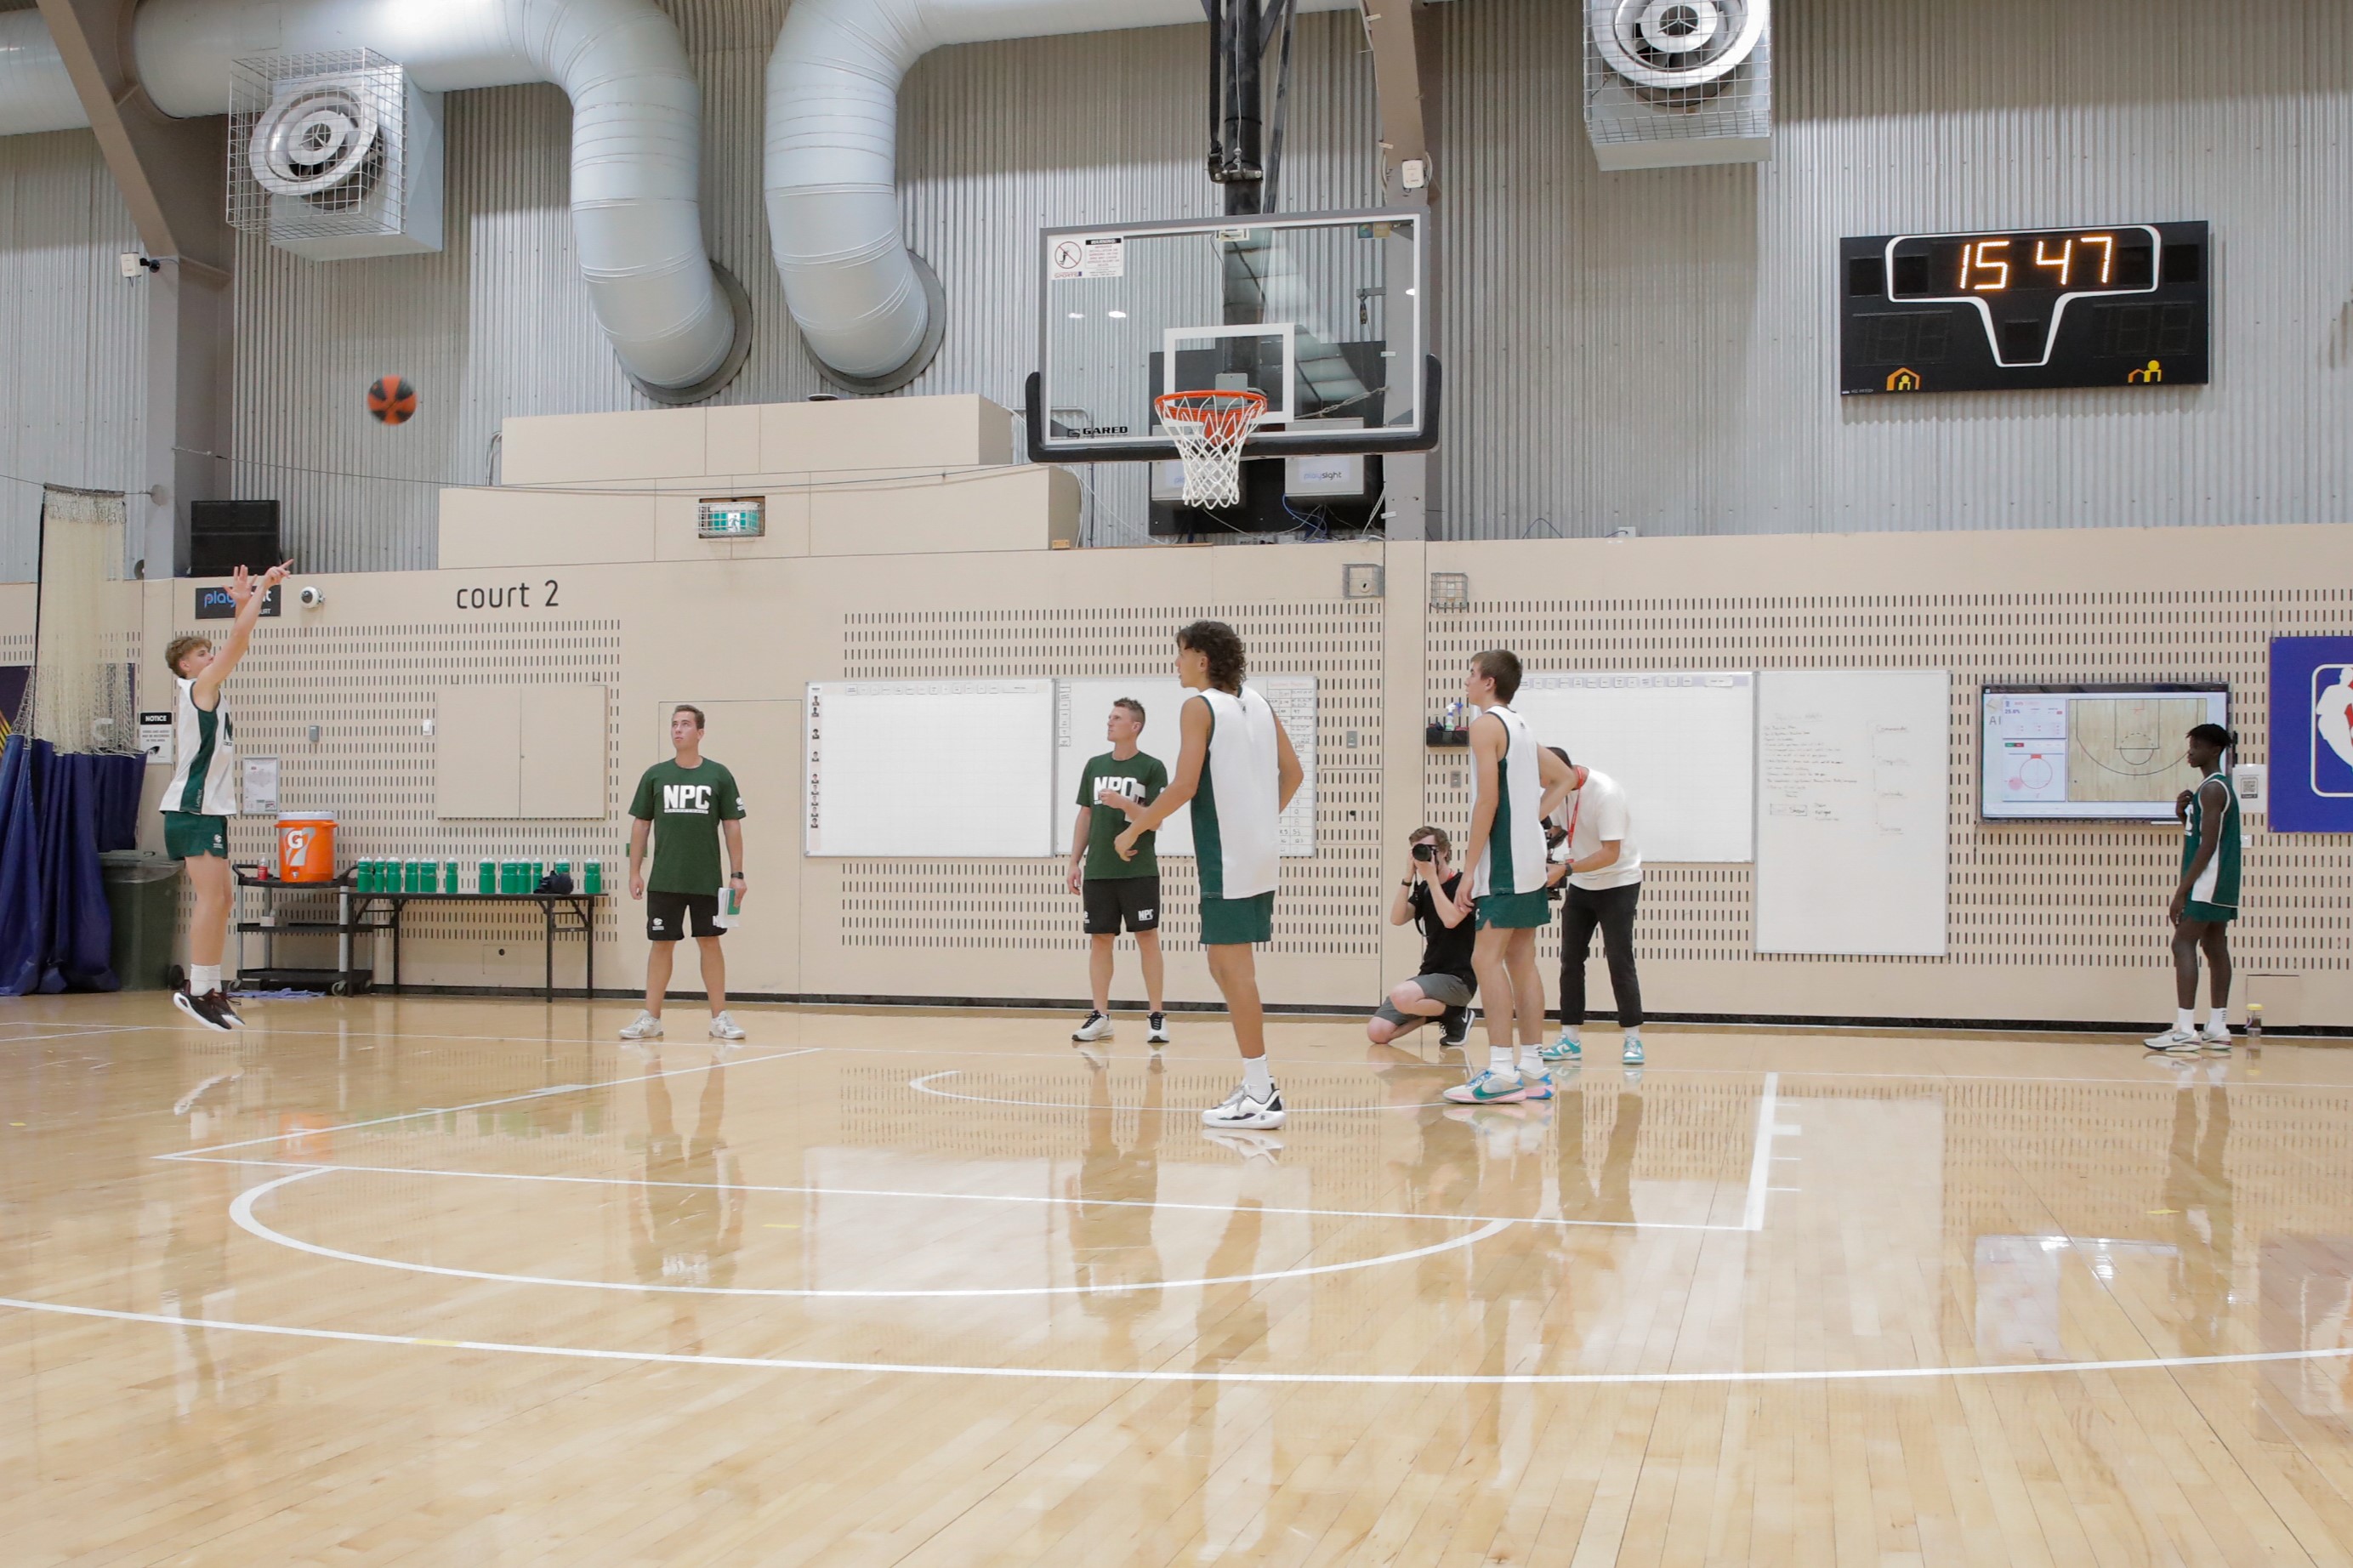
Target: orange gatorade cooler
column 306, row 847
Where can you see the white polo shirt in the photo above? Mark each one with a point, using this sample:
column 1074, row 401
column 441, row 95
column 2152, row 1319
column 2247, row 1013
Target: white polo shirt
column 1594, row 815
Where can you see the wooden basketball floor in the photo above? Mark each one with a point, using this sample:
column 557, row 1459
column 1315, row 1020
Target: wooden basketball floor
column 439, row 1281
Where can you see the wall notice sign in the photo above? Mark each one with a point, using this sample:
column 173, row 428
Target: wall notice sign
column 259, row 786
column 156, row 737
column 1089, row 255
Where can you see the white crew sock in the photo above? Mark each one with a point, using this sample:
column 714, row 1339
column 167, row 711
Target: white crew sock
column 1256, row 1078
column 1532, row 1063
column 2185, row 1019
column 1570, row 1032
column 203, row 979
column 1499, row 1059
column 2219, row 1017
column 1634, row 1035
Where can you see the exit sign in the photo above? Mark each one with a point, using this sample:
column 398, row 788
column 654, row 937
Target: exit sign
column 730, row 517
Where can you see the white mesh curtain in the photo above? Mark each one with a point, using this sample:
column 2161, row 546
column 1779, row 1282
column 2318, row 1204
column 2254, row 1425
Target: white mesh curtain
column 86, row 631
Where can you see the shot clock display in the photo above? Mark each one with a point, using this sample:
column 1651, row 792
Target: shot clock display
column 2123, row 305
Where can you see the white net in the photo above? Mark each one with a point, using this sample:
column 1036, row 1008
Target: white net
column 87, row 628
column 1209, row 428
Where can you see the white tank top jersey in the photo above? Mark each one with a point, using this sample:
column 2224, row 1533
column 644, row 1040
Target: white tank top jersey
column 204, row 777
column 1514, row 860
column 1237, row 813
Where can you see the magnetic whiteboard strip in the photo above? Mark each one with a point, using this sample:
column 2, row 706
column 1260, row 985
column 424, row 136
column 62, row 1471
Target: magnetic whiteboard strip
column 1682, row 742
column 1081, row 708
column 1851, row 811
column 930, row 767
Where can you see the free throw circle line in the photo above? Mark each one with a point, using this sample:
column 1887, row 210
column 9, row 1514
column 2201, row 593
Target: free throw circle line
column 1155, row 1374
column 241, row 1211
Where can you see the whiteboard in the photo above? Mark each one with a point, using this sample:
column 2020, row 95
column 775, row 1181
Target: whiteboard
column 930, row 767
column 1081, row 706
column 1682, row 742
column 1851, row 810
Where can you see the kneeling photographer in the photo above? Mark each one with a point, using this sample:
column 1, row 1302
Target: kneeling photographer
column 1444, row 987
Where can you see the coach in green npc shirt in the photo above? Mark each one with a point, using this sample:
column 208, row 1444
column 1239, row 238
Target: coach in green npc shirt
column 1114, row 787
column 694, row 801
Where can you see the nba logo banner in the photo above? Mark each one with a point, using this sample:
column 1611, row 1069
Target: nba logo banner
column 2312, row 735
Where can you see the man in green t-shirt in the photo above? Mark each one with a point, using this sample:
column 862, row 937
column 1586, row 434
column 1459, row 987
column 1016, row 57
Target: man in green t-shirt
column 695, row 800
column 1114, row 787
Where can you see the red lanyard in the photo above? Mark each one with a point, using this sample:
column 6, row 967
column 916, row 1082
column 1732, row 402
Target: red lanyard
column 1578, row 793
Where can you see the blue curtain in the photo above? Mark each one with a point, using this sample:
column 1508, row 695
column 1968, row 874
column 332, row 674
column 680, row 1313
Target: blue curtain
column 56, row 812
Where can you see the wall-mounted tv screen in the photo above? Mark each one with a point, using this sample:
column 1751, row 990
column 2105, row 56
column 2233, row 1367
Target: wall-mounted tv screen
column 2097, row 754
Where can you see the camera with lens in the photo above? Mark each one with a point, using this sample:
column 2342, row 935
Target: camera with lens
column 1425, row 852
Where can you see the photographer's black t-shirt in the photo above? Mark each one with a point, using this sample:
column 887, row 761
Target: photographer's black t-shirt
column 1445, row 950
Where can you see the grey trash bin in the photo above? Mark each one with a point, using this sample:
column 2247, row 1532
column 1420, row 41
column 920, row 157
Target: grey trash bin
column 143, row 895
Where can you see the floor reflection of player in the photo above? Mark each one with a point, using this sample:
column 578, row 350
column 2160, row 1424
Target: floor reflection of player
column 1113, row 1253
column 687, row 1223
column 2198, row 1192
column 194, row 1274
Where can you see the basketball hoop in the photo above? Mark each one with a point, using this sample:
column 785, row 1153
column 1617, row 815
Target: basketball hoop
column 1209, row 428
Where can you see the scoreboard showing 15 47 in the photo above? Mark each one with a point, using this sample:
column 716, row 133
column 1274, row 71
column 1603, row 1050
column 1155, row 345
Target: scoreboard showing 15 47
column 2121, row 306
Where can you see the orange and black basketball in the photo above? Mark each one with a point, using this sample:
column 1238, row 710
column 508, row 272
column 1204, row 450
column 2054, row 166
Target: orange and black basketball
column 392, row 400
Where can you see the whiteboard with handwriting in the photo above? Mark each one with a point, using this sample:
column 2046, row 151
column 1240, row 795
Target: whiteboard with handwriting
column 1853, row 793
column 1682, row 743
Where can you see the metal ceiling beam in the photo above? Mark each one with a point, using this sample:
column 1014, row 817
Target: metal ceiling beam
column 171, row 171
column 1397, row 80
column 173, row 176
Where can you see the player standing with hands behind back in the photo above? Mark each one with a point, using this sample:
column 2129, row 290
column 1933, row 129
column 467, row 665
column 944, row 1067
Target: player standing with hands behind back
column 202, row 793
column 2206, row 900
column 696, row 801
column 1237, row 770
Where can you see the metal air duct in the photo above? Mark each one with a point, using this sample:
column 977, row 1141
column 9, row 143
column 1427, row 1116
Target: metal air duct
column 679, row 327
column 869, row 308
column 36, row 93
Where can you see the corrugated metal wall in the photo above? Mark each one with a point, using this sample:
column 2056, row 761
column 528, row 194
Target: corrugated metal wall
column 1659, row 349
column 1655, row 349
column 997, row 141
column 73, row 335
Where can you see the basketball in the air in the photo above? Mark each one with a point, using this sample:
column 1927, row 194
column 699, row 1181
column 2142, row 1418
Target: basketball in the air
column 392, row 400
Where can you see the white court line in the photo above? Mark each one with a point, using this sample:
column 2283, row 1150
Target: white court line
column 1760, row 1163
column 478, row 1104
column 923, row 1086
column 321, row 1167
column 1090, row 1374
column 241, row 1211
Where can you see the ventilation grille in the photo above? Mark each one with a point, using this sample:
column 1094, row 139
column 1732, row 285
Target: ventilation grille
column 1671, row 82
column 334, row 155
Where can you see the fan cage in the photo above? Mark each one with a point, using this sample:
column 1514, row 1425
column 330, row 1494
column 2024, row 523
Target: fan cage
column 1734, row 101
column 373, row 201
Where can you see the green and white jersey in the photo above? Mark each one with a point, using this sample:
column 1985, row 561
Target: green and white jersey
column 1514, row 860
column 1237, row 810
column 203, row 779
column 2218, row 883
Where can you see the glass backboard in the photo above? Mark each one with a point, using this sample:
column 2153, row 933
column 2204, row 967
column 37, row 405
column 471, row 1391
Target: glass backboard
column 1325, row 313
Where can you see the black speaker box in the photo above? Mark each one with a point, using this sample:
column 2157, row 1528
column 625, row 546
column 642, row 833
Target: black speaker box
column 223, row 535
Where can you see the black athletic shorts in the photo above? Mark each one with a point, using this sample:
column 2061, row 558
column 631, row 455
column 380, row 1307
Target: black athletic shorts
column 668, row 915
column 1111, row 899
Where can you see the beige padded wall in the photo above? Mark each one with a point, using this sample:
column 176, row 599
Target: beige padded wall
column 2047, row 922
